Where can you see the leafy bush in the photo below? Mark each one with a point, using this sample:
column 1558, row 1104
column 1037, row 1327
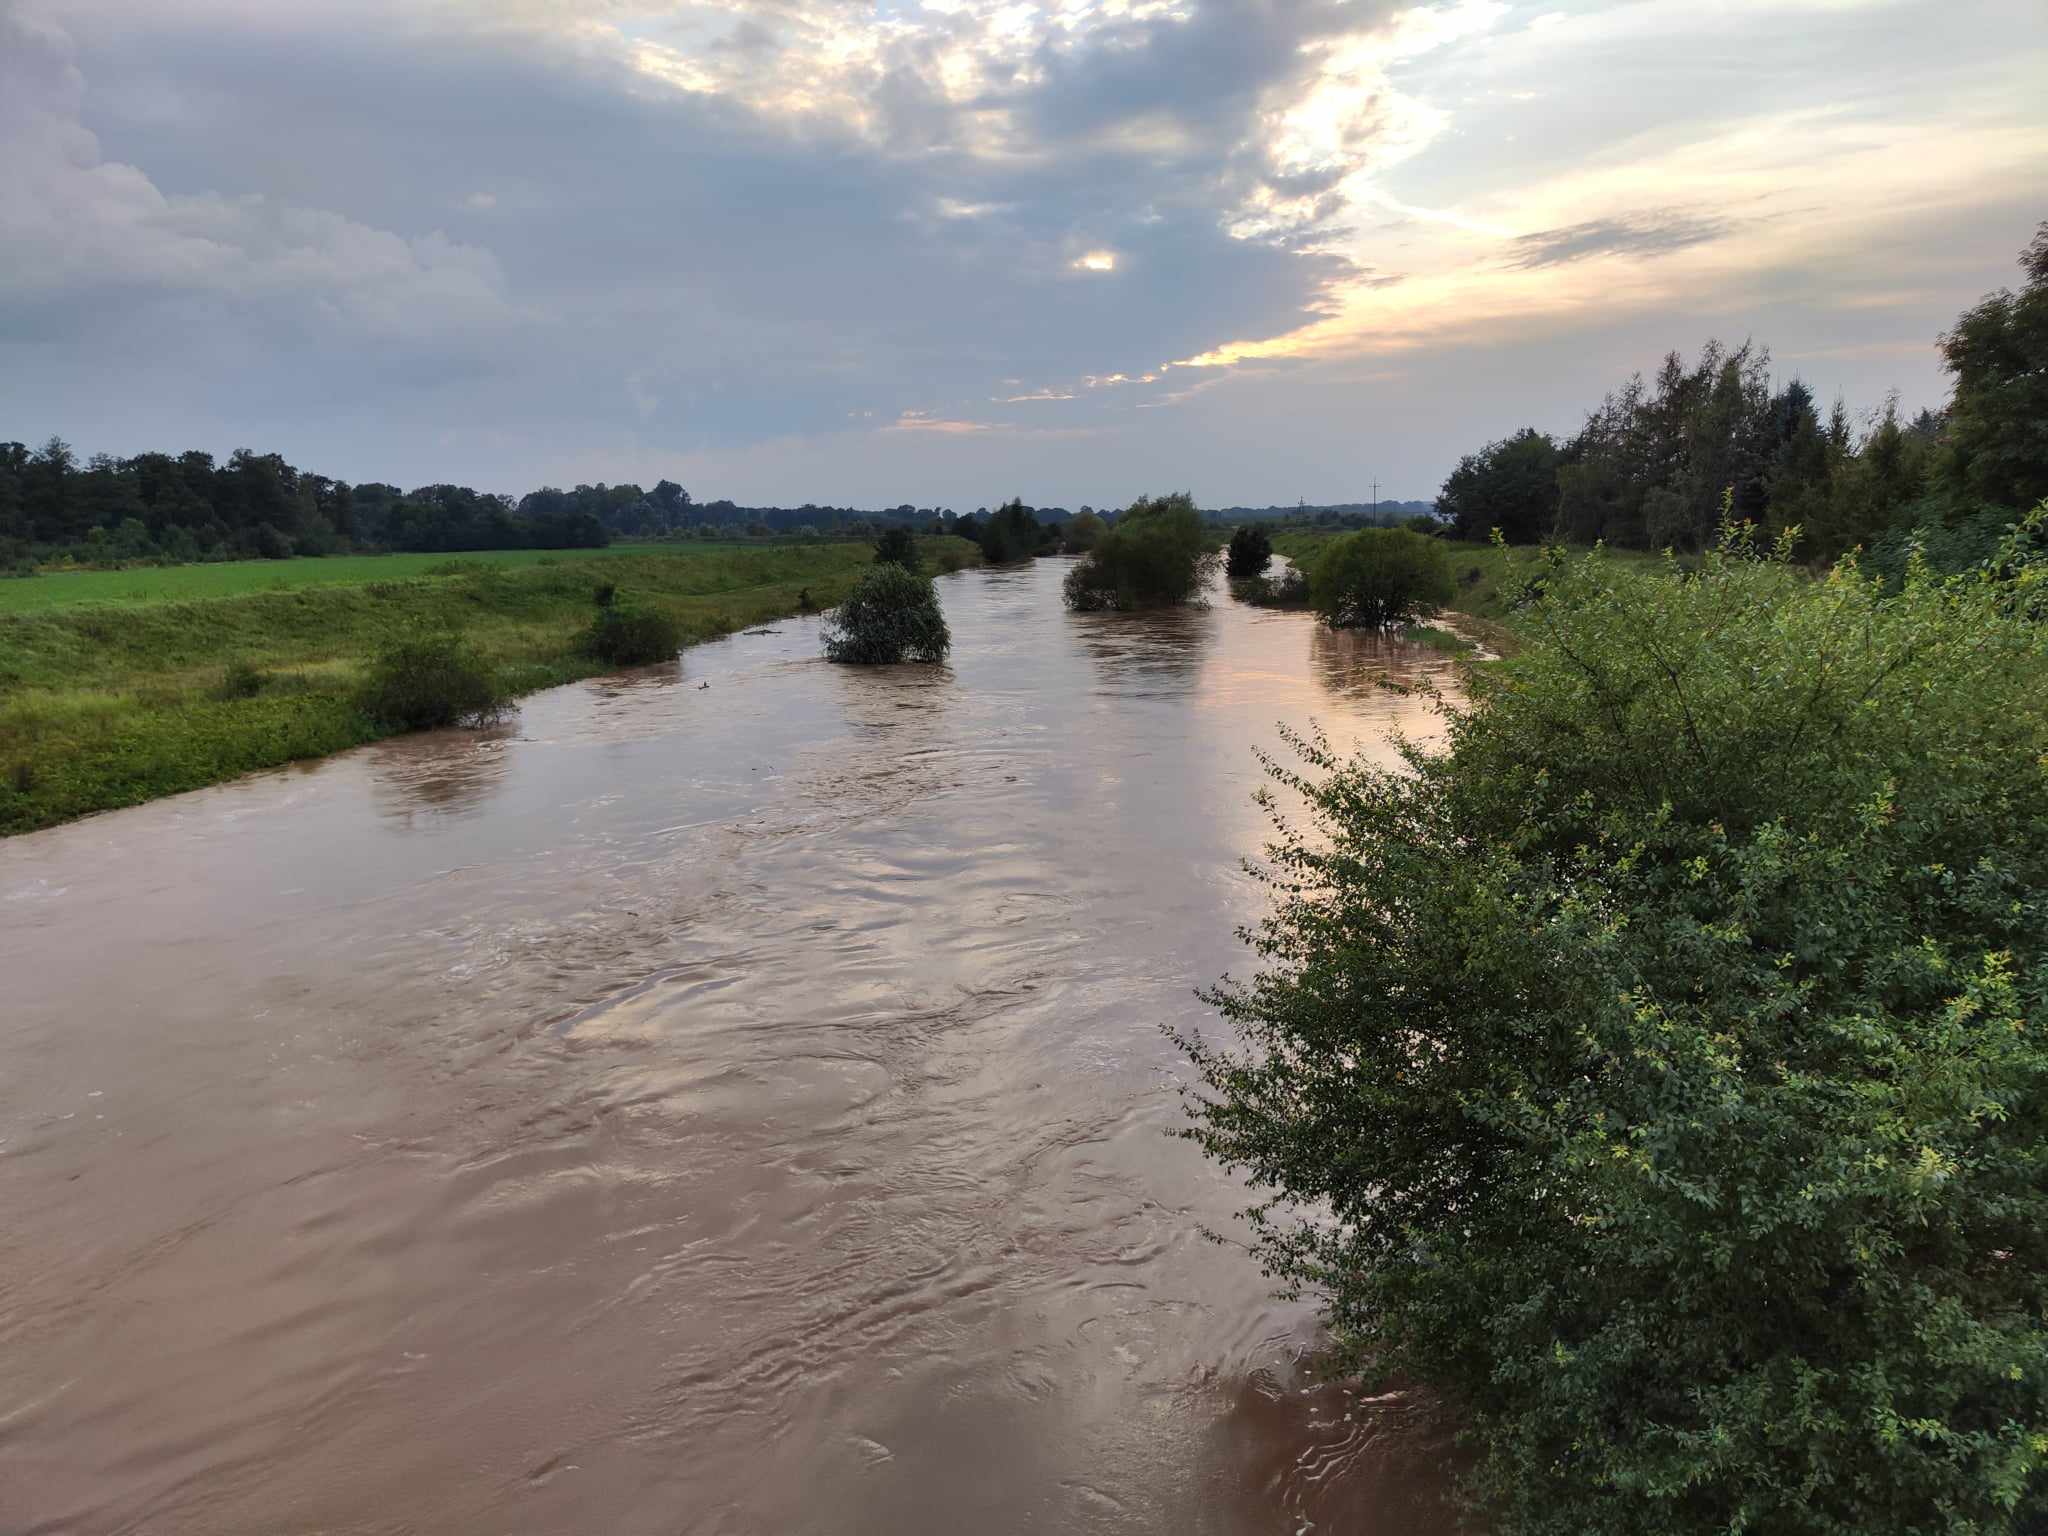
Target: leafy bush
column 1155, row 556
column 431, row 681
column 1250, row 552
column 897, row 546
column 1380, row 576
column 1660, row 1068
column 893, row 615
column 631, row 634
column 1967, row 543
column 1289, row 589
column 1011, row 533
column 240, row 680
column 1081, row 533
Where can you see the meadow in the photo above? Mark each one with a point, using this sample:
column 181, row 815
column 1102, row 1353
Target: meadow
column 109, row 699
column 238, row 578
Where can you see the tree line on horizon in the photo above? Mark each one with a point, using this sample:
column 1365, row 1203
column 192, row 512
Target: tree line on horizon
column 55, row 506
column 1656, row 461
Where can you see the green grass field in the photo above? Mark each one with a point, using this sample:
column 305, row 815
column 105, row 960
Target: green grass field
column 108, row 700
column 235, row 578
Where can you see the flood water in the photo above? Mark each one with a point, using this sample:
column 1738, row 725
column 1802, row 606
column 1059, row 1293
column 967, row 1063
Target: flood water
column 731, row 1098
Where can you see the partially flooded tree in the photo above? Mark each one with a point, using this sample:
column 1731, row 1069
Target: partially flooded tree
column 1156, row 556
column 892, row 615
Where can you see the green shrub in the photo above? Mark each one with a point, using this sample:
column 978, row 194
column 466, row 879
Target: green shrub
column 1661, row 1068
column 1155, row 556
column 1288, row 589
column 1011, row 533
column 1380, row 576
column 1081, row 533
column 240, row 680
column 892, row 615
column 631, row 635
column 421, row 683
column 1250, row 552
column 897, row 546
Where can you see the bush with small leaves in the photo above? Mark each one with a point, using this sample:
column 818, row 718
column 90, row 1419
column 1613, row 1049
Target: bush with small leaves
column 628, row 634
column 1156, row 556
column 897, row 546
column 1380, row 576
column 431, row 681
column 892, row 615
column 1250, row 552
column 1286, row 589
column 1659, row 1067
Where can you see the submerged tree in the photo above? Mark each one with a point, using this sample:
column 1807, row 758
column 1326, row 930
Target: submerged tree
column 892, row 615
column 1380, row 576
column 1250, row 552
column 1155, row 556
column 1659, row 1068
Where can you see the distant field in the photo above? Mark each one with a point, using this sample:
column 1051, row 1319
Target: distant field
column 233, row 578
column 119, row 691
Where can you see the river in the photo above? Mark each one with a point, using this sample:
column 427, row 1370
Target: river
column 729, row 1098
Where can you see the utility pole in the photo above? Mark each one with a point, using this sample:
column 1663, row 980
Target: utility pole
column 1375, row 503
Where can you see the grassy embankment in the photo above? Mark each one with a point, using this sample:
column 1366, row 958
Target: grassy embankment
column 122, row 694
column 1492, row 587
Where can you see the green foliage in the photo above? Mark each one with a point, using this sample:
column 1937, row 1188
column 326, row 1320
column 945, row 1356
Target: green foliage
column 1250, row 552
column 1156, row 556
column 1380, row 576
column 1998, row 423
column 626, row 634
column 109, row 702
column 1081, row 533
column 1424, row 524
column 1510, row 485
column 1288, row 589
column 897, row 546
column 1659, row 1068
column 891, row 615
column 1010, row 534
column 431, row 681
column 240, row 680
column 1973, row 543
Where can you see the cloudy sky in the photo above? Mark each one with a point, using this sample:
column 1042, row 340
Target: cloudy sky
column 943, row 252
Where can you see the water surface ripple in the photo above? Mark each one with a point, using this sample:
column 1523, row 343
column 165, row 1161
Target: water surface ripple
column 728, row 1099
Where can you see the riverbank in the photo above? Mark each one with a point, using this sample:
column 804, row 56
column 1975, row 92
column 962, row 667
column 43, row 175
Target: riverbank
column 1492, row 581
column 110, row 704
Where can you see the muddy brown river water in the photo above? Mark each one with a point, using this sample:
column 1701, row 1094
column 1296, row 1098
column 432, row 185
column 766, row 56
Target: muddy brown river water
column 731, row 1098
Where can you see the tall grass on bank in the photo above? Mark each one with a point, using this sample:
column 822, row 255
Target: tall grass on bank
column 109, row 705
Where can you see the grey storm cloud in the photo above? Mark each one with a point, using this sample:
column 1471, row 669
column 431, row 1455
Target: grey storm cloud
column 1649, row 234
column 487, row 227
column 502, row 240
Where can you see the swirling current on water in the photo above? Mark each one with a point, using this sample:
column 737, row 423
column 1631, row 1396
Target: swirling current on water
column 729, row 1098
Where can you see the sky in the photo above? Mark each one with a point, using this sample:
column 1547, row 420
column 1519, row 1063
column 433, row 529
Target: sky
column 789, row 251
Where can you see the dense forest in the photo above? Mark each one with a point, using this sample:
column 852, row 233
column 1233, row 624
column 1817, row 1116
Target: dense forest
column 1654, row 463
